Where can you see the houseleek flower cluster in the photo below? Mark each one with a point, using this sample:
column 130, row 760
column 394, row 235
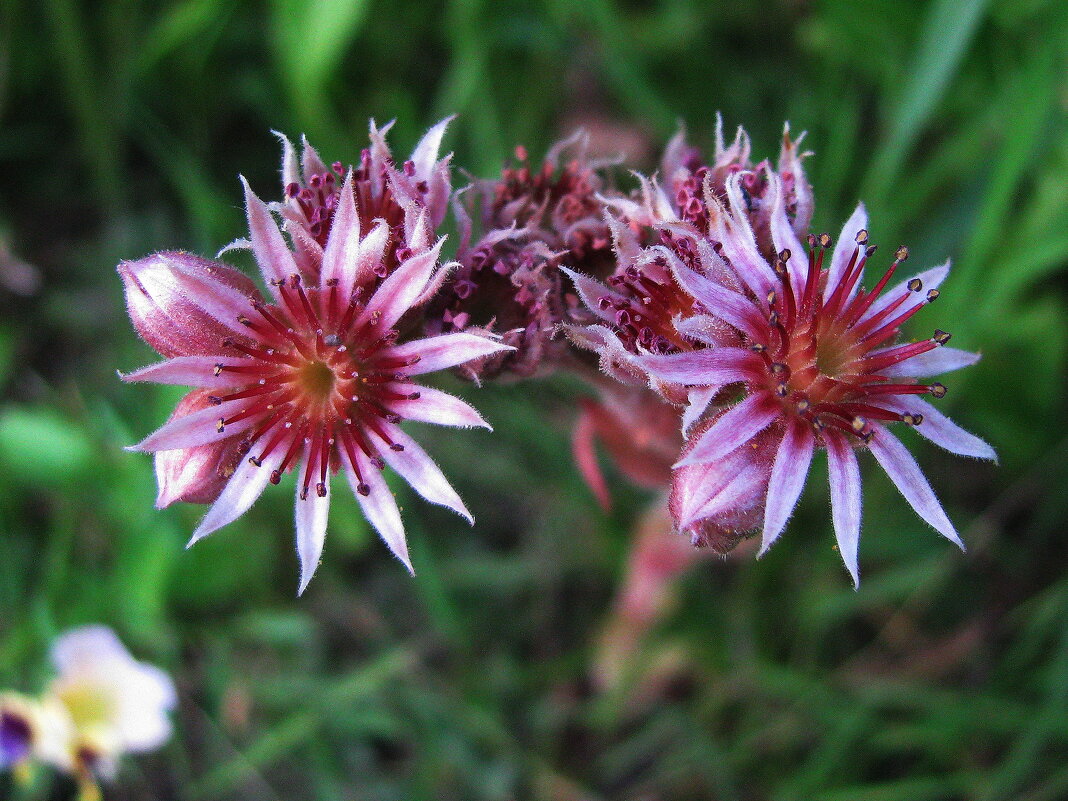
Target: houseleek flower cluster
column 101, row 704
column 724, row 340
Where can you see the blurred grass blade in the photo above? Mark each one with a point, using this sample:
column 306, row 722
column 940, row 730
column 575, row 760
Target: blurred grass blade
column 945, row 37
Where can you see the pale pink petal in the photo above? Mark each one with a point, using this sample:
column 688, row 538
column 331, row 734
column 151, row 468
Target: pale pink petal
column 713, row 367
column 731, row 307
column 399, row 291
column 734, row 428
column 273, row 256
column 907, row 477
column 735, row 234
column 419, row 470
column 787, row 480
column 311, row 515
column 697, row 403
column 241, row 491
column 379, row 505
column 290, row 168
column 846, row 497
column 790, row 158
column 940, row 430
column 371, row 252
column 844, row 249
column 931, row 279
column 933, row 362
column 241, row 243
column 784, row 238
column 188, row 371
column 435, row 406
column 343, row 246
column 591, row 291
column 197, row 428
column 737, row 491
column 310, row 162
column 443, row 351
column 425, row 155
column 436, row 282
column 705, row 328
column 616, row 361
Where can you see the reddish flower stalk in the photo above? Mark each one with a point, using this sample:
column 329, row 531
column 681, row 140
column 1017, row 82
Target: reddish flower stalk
column 311, row 379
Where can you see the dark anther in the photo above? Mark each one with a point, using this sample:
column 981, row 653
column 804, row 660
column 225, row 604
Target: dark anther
column 932, row 295
column 219, row 426
column 915, row 285
column 862, row 236
column 941, row 337
column 378, row 462
column 244, row 320
column 304, row 494
column 217, row 369
column 275, row 476
column 332, row 282
column 825, row 240
column 214, row 400
column 255, row 461
column 396, row 446
column 811, row 241
column 782, row 391
column 320, row 489
column 393, row 418
column 773, row 319
column 803, row 405
column 870, row 251
column 771, row 298
column 757, row 348
column 363, row 489
column 332, row 340
column 858, row 424
column 778, row 368
column 902, row 253
column 938, row 390
column 784, row 254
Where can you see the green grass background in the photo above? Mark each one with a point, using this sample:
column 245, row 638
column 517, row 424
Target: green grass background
column 123, row 126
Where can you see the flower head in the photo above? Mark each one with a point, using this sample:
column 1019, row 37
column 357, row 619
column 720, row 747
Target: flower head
column 412, row 200
column 531, row 221
column 312, row 378
column 779, row 359
column 114, row 704
column 689, row 186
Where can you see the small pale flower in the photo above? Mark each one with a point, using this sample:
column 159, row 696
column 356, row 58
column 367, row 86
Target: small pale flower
column 312, row 379
column 33, row 729
column 115, row 704
column 18, row 729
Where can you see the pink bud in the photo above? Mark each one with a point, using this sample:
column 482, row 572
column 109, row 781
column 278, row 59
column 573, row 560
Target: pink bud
column 183, row 305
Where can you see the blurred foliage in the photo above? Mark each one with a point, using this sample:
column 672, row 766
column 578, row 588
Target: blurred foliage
column 123, row 126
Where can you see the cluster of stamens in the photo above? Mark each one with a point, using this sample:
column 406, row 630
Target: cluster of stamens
column 820, row 353
column 314, row 379
column 646, row 307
